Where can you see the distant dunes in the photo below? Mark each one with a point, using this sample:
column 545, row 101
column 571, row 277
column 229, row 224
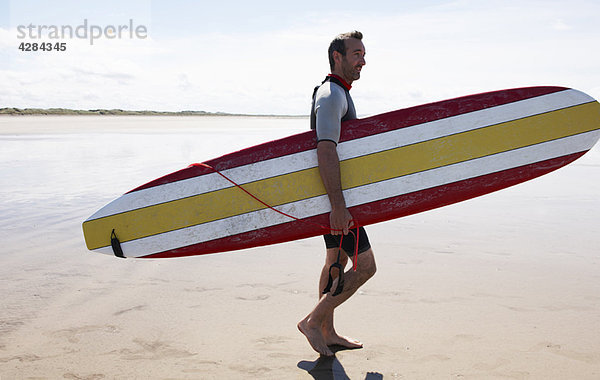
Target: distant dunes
column 118, row 112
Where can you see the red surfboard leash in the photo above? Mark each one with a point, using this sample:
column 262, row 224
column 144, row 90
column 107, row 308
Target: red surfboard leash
column 323, row 227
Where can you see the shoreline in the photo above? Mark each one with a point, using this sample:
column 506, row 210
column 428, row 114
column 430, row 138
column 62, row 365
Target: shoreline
column 14, row 111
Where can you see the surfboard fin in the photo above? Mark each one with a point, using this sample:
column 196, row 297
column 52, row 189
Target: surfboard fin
column 116, row 245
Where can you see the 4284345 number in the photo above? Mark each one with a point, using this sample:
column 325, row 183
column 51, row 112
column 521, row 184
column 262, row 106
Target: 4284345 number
column 43, row 46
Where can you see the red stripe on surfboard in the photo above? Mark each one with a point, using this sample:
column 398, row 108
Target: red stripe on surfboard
column 359, row 128
column 379, row 211
column 440, row 110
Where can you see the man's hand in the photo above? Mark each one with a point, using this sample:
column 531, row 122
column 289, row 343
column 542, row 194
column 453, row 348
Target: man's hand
column 340, row 221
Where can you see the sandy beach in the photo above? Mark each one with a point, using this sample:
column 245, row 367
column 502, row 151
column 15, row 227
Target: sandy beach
column 505, row 286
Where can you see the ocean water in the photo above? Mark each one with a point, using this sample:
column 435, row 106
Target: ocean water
column 56, row 171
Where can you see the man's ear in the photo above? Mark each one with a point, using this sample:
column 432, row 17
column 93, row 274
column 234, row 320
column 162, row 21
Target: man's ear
column 337, row 57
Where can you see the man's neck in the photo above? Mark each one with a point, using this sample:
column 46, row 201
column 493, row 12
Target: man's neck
column 344, row 82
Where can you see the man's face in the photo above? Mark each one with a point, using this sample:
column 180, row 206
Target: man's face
column 354, row 59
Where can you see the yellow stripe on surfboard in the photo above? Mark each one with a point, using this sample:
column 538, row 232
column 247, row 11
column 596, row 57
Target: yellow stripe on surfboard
column 357, row 171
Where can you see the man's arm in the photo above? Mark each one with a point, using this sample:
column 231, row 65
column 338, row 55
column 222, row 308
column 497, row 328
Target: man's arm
column 329, row 168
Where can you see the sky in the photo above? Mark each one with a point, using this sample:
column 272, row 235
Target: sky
column 265, row 57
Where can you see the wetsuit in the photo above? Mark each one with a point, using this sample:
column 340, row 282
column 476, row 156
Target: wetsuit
column 331, row 105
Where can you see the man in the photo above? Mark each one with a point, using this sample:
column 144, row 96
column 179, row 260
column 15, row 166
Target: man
column 332, row 104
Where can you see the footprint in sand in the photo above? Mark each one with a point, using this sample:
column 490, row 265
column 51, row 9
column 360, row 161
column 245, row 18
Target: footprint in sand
column 260, row 297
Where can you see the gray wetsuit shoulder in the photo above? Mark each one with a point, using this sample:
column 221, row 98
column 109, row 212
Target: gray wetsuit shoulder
column 332, row 105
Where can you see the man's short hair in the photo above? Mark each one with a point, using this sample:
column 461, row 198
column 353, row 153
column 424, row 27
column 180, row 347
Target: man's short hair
column 339, row 44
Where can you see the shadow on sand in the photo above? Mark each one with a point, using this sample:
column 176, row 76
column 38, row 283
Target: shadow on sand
column 329, row 368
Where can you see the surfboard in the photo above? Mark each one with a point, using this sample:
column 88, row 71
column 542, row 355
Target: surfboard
column 392, row 165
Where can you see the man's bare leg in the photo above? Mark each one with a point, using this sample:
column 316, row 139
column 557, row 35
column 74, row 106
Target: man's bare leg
column 312, row 325
column 328, row 329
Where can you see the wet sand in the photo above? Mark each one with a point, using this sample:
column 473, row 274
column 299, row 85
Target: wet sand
column 503, row 286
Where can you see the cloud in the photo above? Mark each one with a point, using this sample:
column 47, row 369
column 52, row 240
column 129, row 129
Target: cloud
column 560, row 25
column 416, row 55
column 119, row 77
column 457, row 49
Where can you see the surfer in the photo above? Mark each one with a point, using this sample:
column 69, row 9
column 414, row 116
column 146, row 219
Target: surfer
column 331, row 105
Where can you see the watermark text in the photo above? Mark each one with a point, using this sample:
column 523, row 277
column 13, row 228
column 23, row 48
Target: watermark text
column 86, row 31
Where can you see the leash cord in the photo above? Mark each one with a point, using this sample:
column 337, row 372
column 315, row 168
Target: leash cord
column 323, row 227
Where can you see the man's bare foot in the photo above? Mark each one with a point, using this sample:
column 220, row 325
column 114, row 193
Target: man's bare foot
column 344, row 341
column 315, row 338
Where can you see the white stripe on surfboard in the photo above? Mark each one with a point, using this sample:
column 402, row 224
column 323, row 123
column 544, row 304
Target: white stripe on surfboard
column 359, row 195
column 346, row 150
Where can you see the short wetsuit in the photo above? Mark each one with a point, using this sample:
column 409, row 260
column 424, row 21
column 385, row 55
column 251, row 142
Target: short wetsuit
column 331, row 105
column 349, row 241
